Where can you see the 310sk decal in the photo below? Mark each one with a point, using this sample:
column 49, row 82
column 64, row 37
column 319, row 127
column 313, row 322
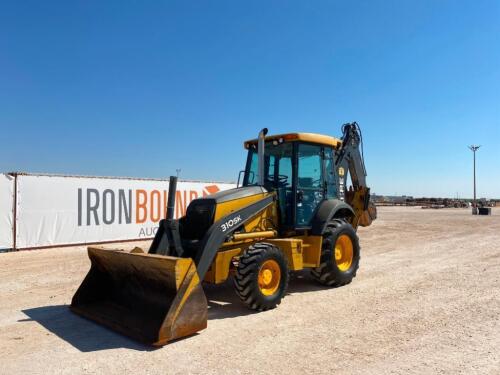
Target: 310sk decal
column 230, row 223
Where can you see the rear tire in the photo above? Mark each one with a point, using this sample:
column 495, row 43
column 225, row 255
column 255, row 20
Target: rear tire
column 261, row 278
column 340, row 255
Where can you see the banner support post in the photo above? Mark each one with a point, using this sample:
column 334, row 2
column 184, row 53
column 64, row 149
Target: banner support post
column 14, row 214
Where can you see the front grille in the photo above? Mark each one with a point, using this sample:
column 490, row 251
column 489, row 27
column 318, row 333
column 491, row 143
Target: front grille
column 199, row 218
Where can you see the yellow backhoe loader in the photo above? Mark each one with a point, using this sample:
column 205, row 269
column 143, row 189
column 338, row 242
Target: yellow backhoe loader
column 291, row 212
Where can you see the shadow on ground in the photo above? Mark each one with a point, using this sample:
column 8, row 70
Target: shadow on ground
column 224, row 303
column 83, row 334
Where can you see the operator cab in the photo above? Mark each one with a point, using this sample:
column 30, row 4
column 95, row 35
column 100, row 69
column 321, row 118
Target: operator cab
column 300, row 168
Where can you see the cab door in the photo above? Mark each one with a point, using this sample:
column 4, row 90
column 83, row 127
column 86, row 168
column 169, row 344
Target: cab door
column 310, row 182
column 316, row 180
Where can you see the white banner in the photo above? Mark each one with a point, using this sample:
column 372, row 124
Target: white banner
column 6, row 211
column 54, row 210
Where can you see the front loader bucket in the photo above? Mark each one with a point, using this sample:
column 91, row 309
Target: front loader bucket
column 151, row 298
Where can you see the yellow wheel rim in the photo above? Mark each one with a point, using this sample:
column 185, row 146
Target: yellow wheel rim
column 269, row 277
column 343, row 252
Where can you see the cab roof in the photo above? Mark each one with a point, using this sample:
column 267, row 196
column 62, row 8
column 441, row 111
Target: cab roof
column 300, row 137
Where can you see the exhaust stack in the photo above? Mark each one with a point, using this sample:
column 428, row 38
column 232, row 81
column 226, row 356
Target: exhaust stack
column 260, row 153
column 172, row 188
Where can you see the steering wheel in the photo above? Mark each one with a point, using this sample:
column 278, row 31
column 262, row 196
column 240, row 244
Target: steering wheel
column 282, row 178
column 280, row 182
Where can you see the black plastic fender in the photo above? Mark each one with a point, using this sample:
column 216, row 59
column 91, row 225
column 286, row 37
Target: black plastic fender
column 326, row 211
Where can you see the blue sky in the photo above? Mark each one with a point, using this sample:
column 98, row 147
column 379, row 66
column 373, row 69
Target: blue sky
column 131, row 88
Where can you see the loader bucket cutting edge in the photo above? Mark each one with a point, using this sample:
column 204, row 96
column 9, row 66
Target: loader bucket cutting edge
column 152, row 298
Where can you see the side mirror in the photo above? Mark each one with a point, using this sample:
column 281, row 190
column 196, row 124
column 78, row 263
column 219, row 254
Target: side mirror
column 239, row 178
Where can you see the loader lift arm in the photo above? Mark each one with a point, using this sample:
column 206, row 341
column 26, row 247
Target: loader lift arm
column 167, row 240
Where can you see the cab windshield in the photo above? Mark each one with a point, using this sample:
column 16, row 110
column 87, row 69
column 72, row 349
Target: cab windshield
column 277, row 175
column 277, row 166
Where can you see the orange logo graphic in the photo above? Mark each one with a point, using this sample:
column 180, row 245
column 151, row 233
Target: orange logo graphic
column 210, row 189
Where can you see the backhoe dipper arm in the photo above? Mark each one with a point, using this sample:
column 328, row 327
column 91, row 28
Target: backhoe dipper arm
column 350, row 158
column 350, row 155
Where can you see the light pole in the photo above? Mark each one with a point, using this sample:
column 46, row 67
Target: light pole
column 474, row 148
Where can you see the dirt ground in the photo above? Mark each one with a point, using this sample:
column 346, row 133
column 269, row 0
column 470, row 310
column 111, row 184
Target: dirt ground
column 426, row 300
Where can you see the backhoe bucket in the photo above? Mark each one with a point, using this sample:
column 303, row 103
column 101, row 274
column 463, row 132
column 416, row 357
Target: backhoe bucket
column 152, row 298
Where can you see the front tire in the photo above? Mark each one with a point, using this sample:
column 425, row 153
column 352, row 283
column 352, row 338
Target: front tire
column 261, row 278
column 340, row 255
